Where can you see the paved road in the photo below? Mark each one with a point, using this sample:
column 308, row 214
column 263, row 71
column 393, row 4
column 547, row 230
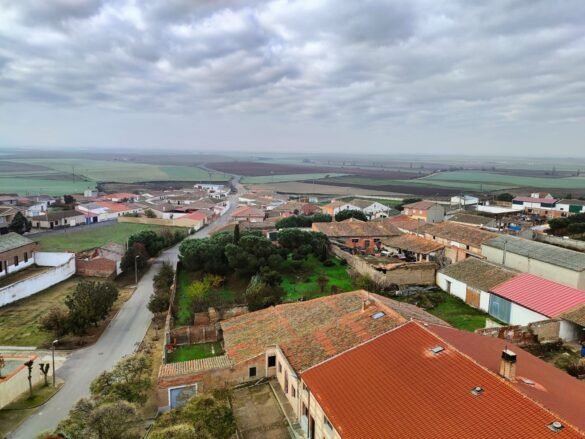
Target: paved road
column 121, row 337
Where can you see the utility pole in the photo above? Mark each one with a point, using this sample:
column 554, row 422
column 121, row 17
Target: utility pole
column 53, row 353
column 136, row 269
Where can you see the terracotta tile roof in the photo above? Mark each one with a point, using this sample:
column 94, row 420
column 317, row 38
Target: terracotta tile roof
column 550, row 254
column 553, row 388
column 413, row 243
column 575, row 315
column 194, row 366
column 308, row 332
column 249, row 212
column 535, row 200
column 422, row 205
column 540, row 295
column 478, row 273
column 460, row 233
column 408, row 224
column 114, row 207
column 394, row 386
column 356, row 228
column 467, row 218
column 196, row 216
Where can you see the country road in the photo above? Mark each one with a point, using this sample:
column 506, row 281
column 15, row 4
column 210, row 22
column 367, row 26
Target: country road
column 120, row 338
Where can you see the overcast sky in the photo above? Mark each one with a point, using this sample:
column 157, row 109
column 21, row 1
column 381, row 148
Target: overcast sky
column 428, row 76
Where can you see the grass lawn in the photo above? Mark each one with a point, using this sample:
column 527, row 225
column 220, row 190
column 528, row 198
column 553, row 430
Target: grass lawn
column 15, row 413
column 195, row 352
column 458, row 314
column 87, row 237
column 304, row 282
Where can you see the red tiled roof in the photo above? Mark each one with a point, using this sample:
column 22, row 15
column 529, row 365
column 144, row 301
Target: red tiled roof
column 407, row 223
column 114, row 207
column 540, row 295
column 249, row 212
column 394, row 386
column 423, row 205
column 555, row 389
column 196, row 216
column 353, row 227
column 120, row 195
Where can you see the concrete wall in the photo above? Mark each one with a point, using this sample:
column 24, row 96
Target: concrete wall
column 62, row 267
column 570, row 331
column 524, row 264
column 421, row 273
column 524, row 316
column 16, row 384
column 457, row 288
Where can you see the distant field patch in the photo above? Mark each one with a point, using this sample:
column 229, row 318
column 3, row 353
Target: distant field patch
column 26, row 185
column 486, row 178
column 290, row 177
column 87, row 237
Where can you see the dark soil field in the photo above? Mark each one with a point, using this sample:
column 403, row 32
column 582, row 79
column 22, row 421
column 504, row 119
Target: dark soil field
column 536, row 173
column 6, row 166
column 254, row 169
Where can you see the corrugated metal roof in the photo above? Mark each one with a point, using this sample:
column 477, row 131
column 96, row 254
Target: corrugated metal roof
column 540, row 295
column 394, row 386
column 539, row 251
column 13, row 240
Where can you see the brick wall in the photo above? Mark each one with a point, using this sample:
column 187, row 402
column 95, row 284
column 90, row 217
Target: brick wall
column 7, row 258
column 420, row 273
column 97, row 267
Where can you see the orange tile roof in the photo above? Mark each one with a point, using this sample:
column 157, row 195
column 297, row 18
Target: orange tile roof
column 353, row 227
column 194, row 366
column 413, row 243
column 114, row 207
column 308, row 332
column 404, row 222
column 422, row 205
column 394, row 386
column 468, row 235
column 555, row 389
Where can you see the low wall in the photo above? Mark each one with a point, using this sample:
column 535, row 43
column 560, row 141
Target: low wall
column 15, row 384
column 62, row 267
column 154, row 221
column 543, row 331
column 97, row 267
column 571, row 244
column 185, row 335
column 420, row 273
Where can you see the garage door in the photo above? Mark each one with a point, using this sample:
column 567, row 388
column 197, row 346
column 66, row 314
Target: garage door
column 472, row 297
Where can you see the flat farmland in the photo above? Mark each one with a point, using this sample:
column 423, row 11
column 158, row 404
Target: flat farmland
column 27, row 185
column 291, row 177
column 82, row 238
column 300, row 187
column 487, row 178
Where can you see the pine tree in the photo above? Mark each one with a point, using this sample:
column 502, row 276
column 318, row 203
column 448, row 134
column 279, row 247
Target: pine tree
column 20, row 224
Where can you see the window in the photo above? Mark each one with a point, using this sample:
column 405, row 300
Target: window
column 252, row 371
column 293, row 392
column 16, row 260
column 466, row 247
column 355, row 240
column 448, row 286
column 272, row 361
column 279, row 367
column 25, row 257
column 285, row 382
column 1, row 265
column 327, row 423
column 366, row 243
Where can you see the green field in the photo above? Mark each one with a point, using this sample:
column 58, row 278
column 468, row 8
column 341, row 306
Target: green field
column 290, row 177
column 195, row 352
column 62, row 176
column 304, row 283
column 87, row 237
column 488, row 179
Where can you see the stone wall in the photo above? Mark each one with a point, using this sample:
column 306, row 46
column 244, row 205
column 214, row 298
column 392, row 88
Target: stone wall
column 97, row 267
column 543, row 331
column 419, row 273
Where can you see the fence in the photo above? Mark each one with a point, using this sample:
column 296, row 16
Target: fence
column 419, row 273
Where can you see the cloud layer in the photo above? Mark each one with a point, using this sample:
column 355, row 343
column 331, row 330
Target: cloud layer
column 362, row 65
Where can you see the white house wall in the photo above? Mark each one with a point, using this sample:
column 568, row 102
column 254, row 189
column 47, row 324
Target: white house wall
column 484, row 301
column 458, row 288
column 524, row 316
column 570, row 331
column 64, row 269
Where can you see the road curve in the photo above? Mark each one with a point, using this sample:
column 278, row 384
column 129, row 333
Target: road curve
column 119, row 339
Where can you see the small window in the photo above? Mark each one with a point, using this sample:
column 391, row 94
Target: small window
column 272, row 361
column 16, row 260
column 25, row 257
column 327, row 423
column 355, row 240
column 252, row 371
column 437, row 349
column 293, row 392
column 467, row 247
column 378, row 315
column 279, row 367
column 366, row 243
column 1, row 266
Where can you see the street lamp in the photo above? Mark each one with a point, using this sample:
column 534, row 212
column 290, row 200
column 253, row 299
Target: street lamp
column 136, row 269
column 53, row 353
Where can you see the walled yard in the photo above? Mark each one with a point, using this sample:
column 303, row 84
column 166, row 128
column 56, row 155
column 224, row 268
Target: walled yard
column 195, row 352
column 20, row 321
column 81, row 238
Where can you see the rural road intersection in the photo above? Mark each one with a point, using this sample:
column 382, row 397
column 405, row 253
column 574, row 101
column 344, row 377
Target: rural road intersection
column 119, row 339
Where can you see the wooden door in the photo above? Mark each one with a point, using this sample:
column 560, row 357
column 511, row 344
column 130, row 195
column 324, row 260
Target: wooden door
column 472, row 297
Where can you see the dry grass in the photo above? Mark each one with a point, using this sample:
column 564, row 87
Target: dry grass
column 152, row 344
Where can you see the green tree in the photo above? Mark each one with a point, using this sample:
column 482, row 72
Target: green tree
column 149, row 213
column 350, row 213
column 505, row 197
column 129, row 380
column 237, row 234
column 89, row 303
column 20, row 224
column 159, row 302
column 151, row 241
column 68, row 199
column 129, row 260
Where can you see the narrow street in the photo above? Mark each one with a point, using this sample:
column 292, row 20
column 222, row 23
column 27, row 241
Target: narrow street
column 121, row 338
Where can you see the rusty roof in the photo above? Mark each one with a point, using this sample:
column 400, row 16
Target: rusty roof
column 308, row 332
column 355, row 228
column 413, row 243
column 467, row 235
column 478, row 273
column 553, row 388
column 395, row 386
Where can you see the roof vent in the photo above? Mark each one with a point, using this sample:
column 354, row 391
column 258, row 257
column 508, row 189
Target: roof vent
column 556, row 426
column 437, row 349
column 477, row 391
column 527, row 381
column 378, row 315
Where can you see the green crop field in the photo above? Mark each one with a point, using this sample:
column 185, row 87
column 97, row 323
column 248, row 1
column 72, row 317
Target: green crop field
column 25, row 185
column 87, row 237
column 486, row 178
column 290, row 177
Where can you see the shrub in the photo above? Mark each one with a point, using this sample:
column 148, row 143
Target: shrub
column 55, row 321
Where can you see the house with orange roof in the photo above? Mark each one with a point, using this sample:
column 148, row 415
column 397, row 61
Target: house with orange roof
column 250, row 214
column 428, row 211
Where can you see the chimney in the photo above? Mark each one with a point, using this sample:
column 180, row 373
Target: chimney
column 365, row 304
column 508, row 365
